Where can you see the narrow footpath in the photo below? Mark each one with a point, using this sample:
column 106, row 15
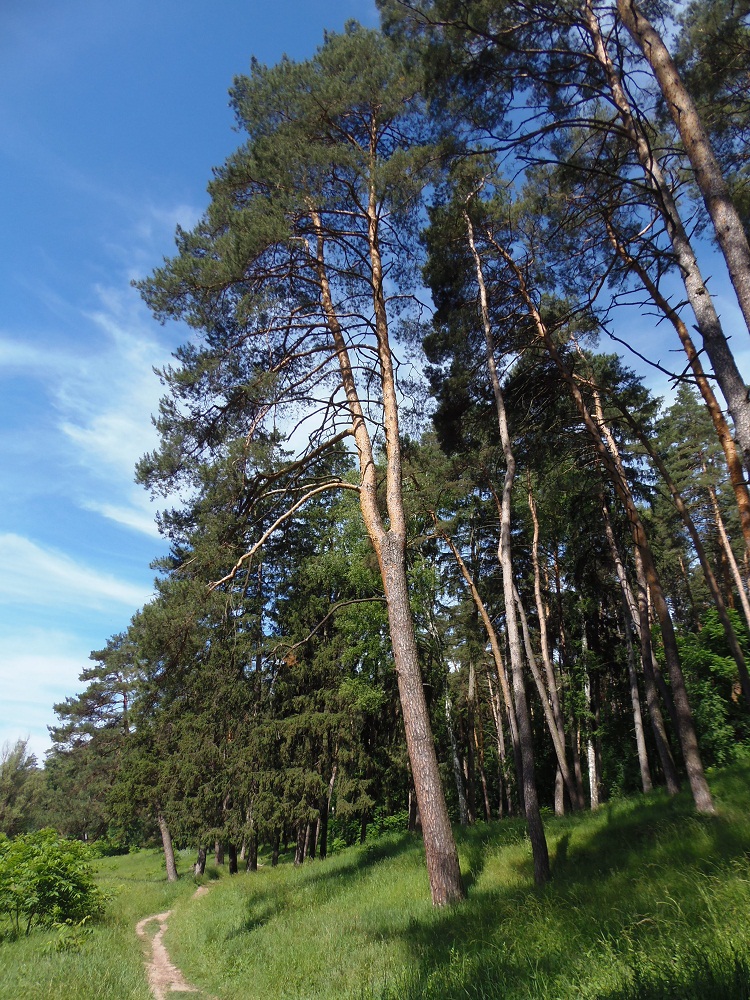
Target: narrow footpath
column 163, row 977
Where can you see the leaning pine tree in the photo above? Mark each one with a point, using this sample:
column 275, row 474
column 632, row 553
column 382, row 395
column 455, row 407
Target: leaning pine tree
column 297, row 271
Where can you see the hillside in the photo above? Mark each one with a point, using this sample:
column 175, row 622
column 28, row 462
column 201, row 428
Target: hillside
column 647, row 901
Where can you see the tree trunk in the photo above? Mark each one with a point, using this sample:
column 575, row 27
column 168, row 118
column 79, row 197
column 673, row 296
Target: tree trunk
column 310, row 841
column 232, row 851
column 252, row 853
column 325, row 812
column 415, row 822
column 166, row 839
column 299, row 853
column 552, row 687
column 275, row 848
column 218, row 852
column 714, row 341
column 557, row 735
column 479, row 747
column 559, row 793
column 685, row 727
column 463, row 812
column 523, row 720
column 627, row 615
column 199, row 867
column 494, row 646
column 441, row 854
column 469, row 761
column 723, row 433
column 738, row 582
column 497, row 717
column 727, row 224
column 700, row 551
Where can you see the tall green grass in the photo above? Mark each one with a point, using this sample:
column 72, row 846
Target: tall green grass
column 648, row 902
column 108, row 964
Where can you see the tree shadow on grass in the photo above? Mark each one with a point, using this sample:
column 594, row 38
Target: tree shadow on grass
column 320, row 881
column 630, row 896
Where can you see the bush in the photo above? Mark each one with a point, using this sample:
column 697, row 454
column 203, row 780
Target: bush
column 46, row 881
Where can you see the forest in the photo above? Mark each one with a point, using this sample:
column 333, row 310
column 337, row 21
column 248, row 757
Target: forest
column 437, row 554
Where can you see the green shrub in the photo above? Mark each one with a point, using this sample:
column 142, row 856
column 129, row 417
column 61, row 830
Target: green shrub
column 46, row 881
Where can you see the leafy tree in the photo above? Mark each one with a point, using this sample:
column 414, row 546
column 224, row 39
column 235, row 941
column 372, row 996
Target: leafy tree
column 21, row 786
column 88, row 742
column 46, row 880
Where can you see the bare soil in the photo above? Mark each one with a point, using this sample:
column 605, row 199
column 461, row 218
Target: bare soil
column 164, row 977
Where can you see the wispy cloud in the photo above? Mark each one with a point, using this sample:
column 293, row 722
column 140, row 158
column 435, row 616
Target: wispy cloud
column 33, row 576
column 103, row 392
column 143, row 521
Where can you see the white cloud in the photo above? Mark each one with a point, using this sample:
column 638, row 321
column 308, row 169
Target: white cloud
column 35, row 577
column 37, row 670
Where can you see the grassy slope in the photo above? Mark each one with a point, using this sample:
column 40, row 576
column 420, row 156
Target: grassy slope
column 647, row 901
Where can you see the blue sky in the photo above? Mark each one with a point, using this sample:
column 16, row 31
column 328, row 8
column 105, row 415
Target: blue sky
column 111, row 117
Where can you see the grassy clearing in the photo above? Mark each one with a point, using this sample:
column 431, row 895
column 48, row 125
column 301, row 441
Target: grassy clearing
column 109, row 963
column 648, row 902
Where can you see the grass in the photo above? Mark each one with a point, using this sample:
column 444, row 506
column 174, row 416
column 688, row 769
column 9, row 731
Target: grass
column 109, row 963
column 648, row 902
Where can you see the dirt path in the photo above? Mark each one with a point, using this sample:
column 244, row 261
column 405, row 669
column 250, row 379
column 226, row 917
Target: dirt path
column 164, row 978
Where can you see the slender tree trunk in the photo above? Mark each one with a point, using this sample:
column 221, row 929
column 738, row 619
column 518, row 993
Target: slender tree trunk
column 714, row 341
column 557, row 736
column 684, row 716
column 299, row 853
column 559, row 793
column 590, row 751
column 479, row 746
column 643, row 628
column 275, row 848
column 232, row 852
column 470, row 763
column 523, row 720
column 441, row 854
column 497, row 717
column 166, row 839
column 686, row 728
column 591, row 706
column 463, row 812
column 325, row 812
column 415, row 822
column 576, row 731
column 734, row 465
column 700, row 551
column 252, row 853
column 494, row 646
column 310, row 841
column 554, row 694
column 730, row 233
column 738, row 581
column 627, row 616
column 218, row 852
